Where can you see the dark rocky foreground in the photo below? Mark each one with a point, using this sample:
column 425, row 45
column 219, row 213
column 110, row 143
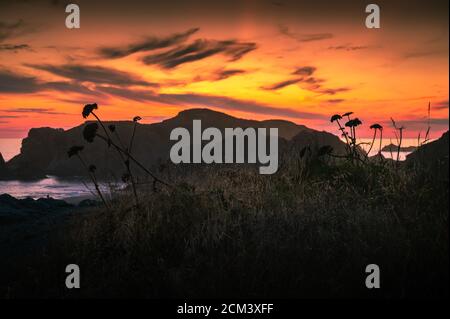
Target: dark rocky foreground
column 13, row 209
column 27, row 224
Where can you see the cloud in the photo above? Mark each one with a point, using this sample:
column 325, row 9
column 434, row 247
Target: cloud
column 443, row 105
column 7, row 30
column 347, row 47
column 151, row 43
column 70, row 87
column 335, row 101
column 34, row 111
column 14, row 83
column 332, row 91
column 282, row 84
column 218, row 75
column 224, row 74
column 14, row 47
column 305, row 70
column 227, row 103
column 18, row 84
column 422, row 123
column 304, row 37
column 198, row 50
column 307, row 82
column 221, row 102
column 424, row 53
column 135, row 95
column 95, row 74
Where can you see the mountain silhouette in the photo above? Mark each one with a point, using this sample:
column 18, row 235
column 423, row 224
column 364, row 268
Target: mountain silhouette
column 44, row 150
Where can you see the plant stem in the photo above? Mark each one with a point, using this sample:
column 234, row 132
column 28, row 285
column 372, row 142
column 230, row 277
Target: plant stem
column 126, row 162
column 135, row 161
column 94, row 180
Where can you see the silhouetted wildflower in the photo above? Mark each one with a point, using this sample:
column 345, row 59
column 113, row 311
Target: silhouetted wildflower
column 335, row 117
column 137, row 118
column 347, row 114
column 376, row 126
column 88, row 108
column 353, row 123
column 90, row 131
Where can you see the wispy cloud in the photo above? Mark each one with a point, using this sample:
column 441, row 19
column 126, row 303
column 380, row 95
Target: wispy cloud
column 14, row 83
column 148, row 44
column 8, row 29
column 217, row 75
column 349, row 47
column 335, row 101
column 34, row 111
column 416, row 124
column 225, row 74
column 422, row 53
column 305, row 70
column 15, row 47
column 307, row 82
column 221, row 102
column 282, row 84
column 304, row 37
column 227, row 103
column 333, row 91
column 94, row 74
column 198, row 50
column 443, row 105
column 8, row 116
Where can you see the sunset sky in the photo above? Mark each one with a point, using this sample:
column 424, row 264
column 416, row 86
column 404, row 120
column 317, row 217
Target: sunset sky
column 297, row 60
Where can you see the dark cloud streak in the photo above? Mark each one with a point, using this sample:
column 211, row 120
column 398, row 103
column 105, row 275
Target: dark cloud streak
column 284, row 30
column 198, row 50
column 151, row 43
column 94, row 74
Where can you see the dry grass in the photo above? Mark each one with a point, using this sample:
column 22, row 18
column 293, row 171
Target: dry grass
column 308, row 231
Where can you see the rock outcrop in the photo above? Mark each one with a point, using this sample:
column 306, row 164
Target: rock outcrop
column 433, row 156
column 44, row 151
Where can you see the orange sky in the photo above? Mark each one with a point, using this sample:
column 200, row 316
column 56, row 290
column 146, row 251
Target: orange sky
column 295, row 60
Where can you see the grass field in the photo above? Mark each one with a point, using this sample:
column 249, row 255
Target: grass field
column 307, row 231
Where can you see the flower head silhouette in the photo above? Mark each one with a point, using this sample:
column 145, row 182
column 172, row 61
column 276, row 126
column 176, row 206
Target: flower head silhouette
column 90, row 131
column 335, row 117
column 347, row 114
column 376, row 126
column 88, row 108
